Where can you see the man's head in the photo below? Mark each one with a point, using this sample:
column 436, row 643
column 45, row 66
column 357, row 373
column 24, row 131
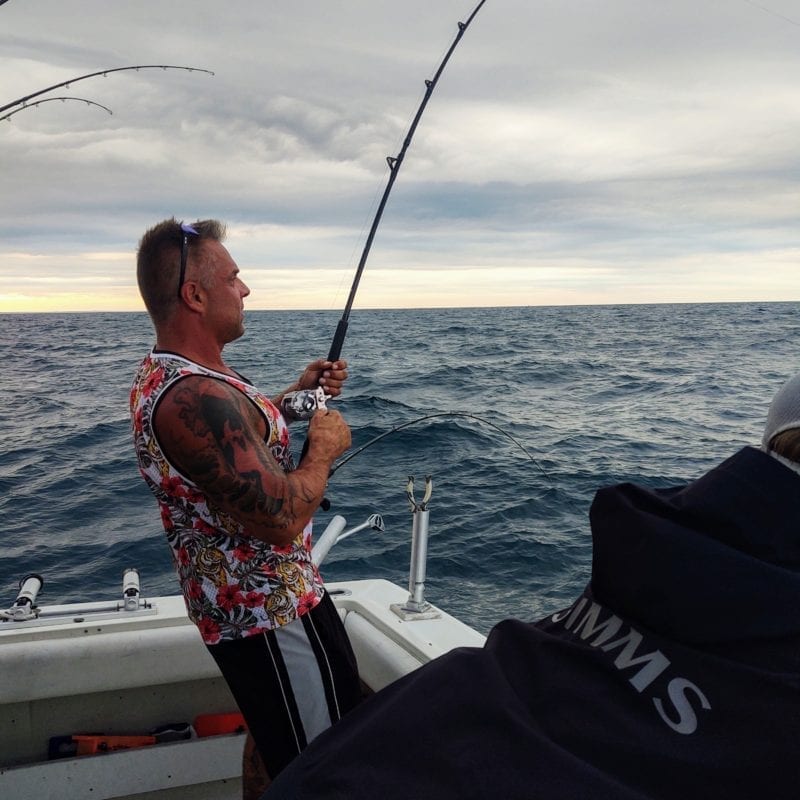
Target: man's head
column 158, row 262
column 782, row 431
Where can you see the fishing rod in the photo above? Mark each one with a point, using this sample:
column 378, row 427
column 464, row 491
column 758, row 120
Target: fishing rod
column 50, row 100
column 303, row 404
column 394, row 168
column 104, row 72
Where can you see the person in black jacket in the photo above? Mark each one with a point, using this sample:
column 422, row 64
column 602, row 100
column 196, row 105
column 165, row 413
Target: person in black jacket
column 676, row 674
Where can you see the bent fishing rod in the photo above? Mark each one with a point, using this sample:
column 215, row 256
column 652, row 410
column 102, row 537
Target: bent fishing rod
column 303, row 404
column 394, row 168
column 52, row 99
column 22, row 101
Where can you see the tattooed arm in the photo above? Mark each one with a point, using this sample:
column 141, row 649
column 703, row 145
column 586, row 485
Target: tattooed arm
column 214, row 435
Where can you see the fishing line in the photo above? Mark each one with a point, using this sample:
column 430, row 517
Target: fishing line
column 368, row 214
column 773, row 13
column 408, row 424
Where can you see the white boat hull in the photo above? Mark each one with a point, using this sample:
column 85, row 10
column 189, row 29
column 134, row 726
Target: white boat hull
column 94, row 670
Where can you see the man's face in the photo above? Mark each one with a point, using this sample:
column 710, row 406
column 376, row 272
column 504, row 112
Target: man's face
column 226, row 292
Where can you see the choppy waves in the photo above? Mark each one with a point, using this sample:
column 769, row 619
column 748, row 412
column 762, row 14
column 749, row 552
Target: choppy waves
column 597, row 395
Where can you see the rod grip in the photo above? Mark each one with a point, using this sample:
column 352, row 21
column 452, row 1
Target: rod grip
column 338, row 340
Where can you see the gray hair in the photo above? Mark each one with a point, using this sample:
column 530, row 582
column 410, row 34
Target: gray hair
column 158, row 262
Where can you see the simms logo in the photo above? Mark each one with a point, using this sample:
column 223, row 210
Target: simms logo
column 677, row 710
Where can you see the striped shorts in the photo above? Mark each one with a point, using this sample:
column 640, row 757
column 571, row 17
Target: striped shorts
column 291, row 683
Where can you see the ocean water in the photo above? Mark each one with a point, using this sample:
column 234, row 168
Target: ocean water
column 582, row 396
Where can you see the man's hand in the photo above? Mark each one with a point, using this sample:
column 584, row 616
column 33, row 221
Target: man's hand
column 329, row 375
column 328, row 435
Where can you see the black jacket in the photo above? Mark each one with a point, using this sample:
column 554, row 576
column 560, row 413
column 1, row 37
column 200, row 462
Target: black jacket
column 675, row 675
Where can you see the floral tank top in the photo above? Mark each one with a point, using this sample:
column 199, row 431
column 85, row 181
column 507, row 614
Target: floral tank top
column 234, row 585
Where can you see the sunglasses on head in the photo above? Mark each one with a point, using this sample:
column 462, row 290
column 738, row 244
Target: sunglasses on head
column 187, row 231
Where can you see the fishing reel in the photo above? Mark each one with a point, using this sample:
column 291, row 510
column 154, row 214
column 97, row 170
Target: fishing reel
column 304, row 403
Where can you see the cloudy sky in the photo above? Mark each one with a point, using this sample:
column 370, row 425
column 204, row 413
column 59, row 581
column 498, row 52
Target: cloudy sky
column 574, row 151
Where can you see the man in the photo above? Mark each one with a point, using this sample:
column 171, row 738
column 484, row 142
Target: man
column 237, row 515
column 675, row 675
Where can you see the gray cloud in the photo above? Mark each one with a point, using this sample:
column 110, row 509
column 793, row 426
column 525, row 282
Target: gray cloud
column 621, row 132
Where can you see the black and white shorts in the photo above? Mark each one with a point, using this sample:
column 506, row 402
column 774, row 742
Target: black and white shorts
column 291, row 683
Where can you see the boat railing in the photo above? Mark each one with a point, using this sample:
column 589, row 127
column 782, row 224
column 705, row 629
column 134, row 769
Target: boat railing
column 24, row 612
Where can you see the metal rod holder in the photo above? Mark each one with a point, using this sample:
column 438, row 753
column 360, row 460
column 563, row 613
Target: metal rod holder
column 419, row 557
column 130, row 589
column 25, row 607
column 336, row 533
column 416, row 606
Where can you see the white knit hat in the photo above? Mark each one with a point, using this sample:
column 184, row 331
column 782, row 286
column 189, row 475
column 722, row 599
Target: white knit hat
column 784, row 412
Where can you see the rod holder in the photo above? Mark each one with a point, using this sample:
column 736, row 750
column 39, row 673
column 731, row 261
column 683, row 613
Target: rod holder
column 130, row 589
column 335, row 533
column 25, row 607
column 416, row 606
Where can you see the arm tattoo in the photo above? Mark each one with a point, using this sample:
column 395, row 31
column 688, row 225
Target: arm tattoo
column 229, row 430
column 219, row 446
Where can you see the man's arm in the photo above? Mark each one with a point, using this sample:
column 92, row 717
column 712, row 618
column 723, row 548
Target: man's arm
column 214, row 435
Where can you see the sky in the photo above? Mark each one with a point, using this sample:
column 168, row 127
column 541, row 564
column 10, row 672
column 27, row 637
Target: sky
column 573, row 151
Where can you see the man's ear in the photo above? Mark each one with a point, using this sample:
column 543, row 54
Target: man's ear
column 194, row 295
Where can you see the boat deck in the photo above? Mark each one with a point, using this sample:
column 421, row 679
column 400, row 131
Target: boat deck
column 93, row 669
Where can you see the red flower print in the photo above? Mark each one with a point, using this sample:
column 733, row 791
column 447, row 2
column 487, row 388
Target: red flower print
column 244, row 552
column 193, row 589
column 173, row 486
column 306, row 603
column 183, row 556
column 209, row 630
column 283, row 549
column 193, row 495
column 153, row 379
column 166, row 519
column 202, row 526
column 254, row 599
column 229, row 596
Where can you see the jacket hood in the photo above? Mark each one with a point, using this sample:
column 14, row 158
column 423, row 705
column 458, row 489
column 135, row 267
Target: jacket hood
column 715, row 561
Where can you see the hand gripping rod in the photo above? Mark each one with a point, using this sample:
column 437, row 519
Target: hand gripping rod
column 394, row 167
